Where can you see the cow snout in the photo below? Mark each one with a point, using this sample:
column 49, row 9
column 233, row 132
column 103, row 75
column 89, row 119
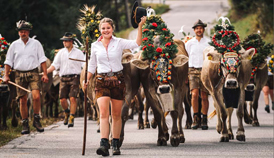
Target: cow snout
column 250, row 87
column 231, row 84
column 163, row 89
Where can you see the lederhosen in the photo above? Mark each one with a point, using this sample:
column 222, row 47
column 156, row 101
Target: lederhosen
column 110, row 84
column 69, row 86
column 27, row 79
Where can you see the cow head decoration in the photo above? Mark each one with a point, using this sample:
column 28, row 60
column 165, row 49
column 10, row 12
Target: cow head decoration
column 159, row 52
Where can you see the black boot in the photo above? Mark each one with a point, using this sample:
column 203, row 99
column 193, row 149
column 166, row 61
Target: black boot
column 116, row 147
column 104, row 146
column 37, row 124
column 267, row 109
column 196, row 122
column 25, row 124
column 204, row 123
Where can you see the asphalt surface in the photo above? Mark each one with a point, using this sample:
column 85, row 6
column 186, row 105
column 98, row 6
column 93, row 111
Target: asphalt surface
column 59, row 141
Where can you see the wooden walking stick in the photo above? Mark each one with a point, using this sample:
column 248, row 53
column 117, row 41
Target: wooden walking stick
column 85, row 100
column 17, row 86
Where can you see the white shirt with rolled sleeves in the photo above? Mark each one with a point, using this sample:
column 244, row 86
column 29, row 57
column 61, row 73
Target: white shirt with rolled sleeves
column 67, row 66
column 25, row 57
column 108, row 60
column 195, row 50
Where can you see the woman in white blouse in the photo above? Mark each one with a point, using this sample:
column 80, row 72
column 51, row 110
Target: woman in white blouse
column 106, row 55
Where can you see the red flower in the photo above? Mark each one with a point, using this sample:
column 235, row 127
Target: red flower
column 145, row 30
column 154, row 24
column 5, row 43
column 168, row 44
column 145, row 39
column 144, row 47
column 168, row 73
column 2, row 38
column 164, row 29
column 159, row 50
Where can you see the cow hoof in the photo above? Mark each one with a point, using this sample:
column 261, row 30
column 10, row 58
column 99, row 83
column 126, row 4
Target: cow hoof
column 182, row 138
column 187, row 126
column 231, row 136
column 255, row 123
column 147, row 125
column 240, row 138
column 98, row 130
column 175, row 140
column 90, row 118
column 161, row 142
column 141, row 126
column 167, row 136
column 153, row 124
column 247, row 120
column 224, row 139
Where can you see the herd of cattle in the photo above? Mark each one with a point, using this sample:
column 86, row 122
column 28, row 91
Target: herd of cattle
column 141, row 81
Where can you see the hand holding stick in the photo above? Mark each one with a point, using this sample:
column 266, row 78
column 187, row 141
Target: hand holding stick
column 17, row 86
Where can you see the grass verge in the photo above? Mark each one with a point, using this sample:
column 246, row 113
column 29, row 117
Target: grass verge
column 15, row 132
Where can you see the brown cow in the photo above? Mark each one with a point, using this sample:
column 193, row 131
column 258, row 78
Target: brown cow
column 154, row 92
column 215, row 84
column 260, row 79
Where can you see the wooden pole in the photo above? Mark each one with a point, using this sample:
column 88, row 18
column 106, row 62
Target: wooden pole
column 17, row 86
column 85, row 100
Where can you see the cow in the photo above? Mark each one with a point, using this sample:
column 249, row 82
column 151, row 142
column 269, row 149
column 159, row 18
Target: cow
column 216, row 84
column 139, row 71
column 255, row 86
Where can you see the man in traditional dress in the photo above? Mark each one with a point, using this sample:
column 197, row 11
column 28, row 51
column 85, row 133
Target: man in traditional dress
column 194, row 48
column 25, row 55
column 70, row 75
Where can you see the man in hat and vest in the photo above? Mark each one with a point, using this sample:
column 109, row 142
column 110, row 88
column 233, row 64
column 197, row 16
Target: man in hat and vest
column 70, row 75
column 25, row 55
column 195, row 48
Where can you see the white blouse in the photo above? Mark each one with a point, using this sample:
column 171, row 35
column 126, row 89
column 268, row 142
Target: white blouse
column 67, row 66
column 195, row 50
column 25, row 57
column 109, row 60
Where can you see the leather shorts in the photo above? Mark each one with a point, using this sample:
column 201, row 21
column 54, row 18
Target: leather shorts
column 69, row 86
column 195, row 79
column 114, row 89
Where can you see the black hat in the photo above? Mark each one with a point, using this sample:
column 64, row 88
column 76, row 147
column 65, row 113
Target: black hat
column 23, row 25
column 199, row 23
column 68, row 37
column 136, row 14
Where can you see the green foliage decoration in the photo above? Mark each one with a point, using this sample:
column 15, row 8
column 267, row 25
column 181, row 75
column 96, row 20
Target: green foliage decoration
column 153, row 27
column 262, row 50
column 225, row 39
column 4, row 45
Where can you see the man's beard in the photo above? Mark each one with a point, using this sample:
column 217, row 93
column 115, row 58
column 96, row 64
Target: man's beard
column 200, row 35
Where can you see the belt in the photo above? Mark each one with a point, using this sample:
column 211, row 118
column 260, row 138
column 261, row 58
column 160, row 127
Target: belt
column 71, row 75
column 195, row 68
column 34, row 70
column 111, row 73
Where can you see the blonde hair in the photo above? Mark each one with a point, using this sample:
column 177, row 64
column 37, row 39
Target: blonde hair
column 109, row 21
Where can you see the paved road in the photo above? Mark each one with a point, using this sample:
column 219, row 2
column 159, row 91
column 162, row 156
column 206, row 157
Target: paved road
column 59, row 141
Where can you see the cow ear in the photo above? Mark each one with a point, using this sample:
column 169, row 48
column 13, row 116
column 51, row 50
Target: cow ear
column 248, row 54
column 214, row 56
column 140, row 64
column 126, row 58
column 180, row 60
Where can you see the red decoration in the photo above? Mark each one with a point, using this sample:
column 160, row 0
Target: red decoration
column 2, row 38
column 252, row 47
column 154, row 24
column 168, row 44
column 159, row 50
column 144, row 47
column 145, row 30
column 145, row 39
column 164, row 29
